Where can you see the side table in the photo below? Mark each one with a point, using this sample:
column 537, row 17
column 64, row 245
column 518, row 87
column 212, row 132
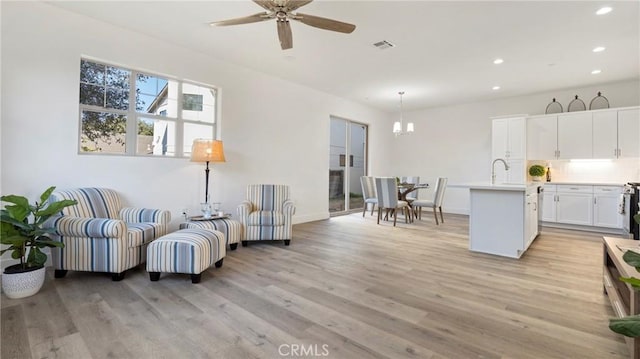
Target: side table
column 231, row 229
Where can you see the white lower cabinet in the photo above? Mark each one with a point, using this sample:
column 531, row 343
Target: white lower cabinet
column 606, row 200
column 584, row 205
column 574, row 208
column 549, row 203
column 531, row 217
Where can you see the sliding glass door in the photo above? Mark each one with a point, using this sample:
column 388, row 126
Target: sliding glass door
column 347, row 162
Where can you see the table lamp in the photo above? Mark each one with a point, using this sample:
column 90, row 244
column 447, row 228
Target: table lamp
column 207, row 150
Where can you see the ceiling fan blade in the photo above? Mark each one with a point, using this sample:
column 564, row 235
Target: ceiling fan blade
column 295, row 4
column 265, row 4
column 243, row 20
column 284, row 34
column 324, row 23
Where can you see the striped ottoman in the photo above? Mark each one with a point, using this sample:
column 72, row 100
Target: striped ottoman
column 189, row 251
column 231, row 229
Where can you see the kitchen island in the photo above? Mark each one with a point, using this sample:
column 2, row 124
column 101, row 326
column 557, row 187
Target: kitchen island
column 503, row 219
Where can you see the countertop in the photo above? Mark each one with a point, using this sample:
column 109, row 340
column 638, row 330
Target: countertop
column 498, row 186
column 587, row 183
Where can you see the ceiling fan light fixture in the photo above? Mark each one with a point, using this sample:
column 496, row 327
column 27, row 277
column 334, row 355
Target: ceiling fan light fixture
column 283, row 11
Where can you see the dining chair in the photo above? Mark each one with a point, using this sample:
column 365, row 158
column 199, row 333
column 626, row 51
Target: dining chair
column 368, row 193
column 387, row 193
column 436, row 203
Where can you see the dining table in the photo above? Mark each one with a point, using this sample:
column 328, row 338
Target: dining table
column 405, row 188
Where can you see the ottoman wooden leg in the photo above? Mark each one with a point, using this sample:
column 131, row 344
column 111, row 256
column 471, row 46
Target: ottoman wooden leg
column 154, row 276
column 195, row 278
column 245, row 243
column 233, row 246
column 286, row 242
column 60, row 273
column 219, row 263
column 116, row 277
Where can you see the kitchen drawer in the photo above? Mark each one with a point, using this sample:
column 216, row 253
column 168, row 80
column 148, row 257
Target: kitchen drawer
column 607, row 190
column 550, row 187
column 574, row 188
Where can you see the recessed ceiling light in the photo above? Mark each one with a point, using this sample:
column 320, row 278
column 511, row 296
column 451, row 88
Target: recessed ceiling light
column 498, row 61
column 494, row 88
column 604, row 10
column 598, row 49
column 595, row 72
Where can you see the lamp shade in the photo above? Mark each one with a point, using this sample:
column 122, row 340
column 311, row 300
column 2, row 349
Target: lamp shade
column 207, row 150
column 410, row 127
column 397, row 127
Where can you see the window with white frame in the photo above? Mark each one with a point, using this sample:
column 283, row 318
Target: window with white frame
column 135, row 113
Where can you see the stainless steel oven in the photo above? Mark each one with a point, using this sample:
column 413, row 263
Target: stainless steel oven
column 631, row 193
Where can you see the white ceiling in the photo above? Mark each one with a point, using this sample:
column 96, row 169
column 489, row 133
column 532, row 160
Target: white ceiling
column 444, row 49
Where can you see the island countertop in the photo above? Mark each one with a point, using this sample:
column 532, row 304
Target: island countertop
column 498, row 186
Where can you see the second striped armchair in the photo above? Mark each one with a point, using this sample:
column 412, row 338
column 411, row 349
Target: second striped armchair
column 267, row 213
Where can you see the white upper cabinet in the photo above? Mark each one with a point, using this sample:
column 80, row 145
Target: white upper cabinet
column 629, row 133
column 508, row 141
column 542, row 137
column 575, row 135
column 610, row 133
column 508, row 138
column 605, row 134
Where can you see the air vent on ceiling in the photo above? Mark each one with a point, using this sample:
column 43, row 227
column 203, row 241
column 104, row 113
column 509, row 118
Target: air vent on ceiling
column 383, row 45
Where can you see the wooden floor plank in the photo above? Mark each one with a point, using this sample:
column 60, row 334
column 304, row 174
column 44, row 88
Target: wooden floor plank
column 15, row 337
column 358, row 289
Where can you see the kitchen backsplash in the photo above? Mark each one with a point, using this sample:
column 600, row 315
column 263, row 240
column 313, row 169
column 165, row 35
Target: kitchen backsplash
column 614, row 171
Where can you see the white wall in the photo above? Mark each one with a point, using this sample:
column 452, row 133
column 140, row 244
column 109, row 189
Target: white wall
column 273, row 131
column 455, row 141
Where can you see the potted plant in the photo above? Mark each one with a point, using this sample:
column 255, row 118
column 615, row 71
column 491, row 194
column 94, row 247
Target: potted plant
column 21, row 228
column 536, row 171
column 630, row 325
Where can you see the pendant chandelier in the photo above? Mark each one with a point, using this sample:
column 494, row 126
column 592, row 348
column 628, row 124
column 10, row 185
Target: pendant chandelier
column 398, row 125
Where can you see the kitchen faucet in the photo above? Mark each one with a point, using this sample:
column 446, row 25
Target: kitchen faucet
column 493, row 169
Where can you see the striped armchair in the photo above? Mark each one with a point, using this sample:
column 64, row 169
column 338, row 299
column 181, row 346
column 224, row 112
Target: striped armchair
column 102, row 236
column 267, row 213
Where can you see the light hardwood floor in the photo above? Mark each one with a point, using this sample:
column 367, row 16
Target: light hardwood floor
column 345, row 288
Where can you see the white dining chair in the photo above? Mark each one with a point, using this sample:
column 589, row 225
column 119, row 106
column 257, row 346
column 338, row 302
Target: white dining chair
column 436, row 203
column 368, row 193
column 387, row 193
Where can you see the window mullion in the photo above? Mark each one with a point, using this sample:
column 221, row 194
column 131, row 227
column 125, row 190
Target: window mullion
column 179, row 123
column 132, row 118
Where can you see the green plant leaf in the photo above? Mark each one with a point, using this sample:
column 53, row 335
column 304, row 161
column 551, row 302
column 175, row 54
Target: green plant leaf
column 632, row 258
column 49, row 243
column 637, row 218
column 635, row 282
column 54, row 208
column 627, row 326
column 20, row 201
column 36, row 257
column 19, row 213
column 46, row 194
column 14, row 240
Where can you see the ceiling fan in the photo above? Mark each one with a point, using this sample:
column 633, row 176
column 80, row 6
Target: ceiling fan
column 283, row 11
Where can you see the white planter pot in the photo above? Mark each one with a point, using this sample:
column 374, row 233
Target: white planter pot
column 20, row 285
